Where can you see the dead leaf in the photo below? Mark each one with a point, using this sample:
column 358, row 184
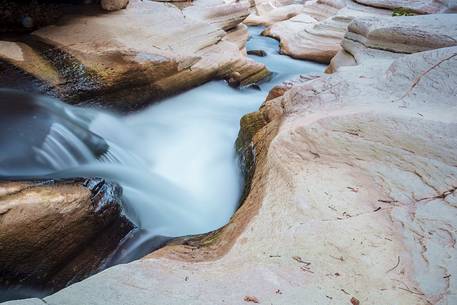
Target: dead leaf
column 354, row 189
column 298, row 259
column 251, row 299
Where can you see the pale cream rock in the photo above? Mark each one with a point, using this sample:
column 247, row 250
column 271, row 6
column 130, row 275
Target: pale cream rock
column 371, row 39
column 225, row 16
column 322, row 9
column 147, row 51
column 419, row 6
column 304, row 37
column 275, row 15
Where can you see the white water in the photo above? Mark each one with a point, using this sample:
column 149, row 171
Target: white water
column 175, row 160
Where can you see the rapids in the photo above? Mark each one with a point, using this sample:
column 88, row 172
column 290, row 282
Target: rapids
column 175, row 160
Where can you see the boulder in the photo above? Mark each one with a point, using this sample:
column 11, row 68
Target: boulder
column 130, row 57
column 53, row 233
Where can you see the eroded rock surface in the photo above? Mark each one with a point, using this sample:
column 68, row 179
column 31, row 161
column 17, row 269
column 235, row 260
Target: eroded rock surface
column 308, row 38
column 53, row 233
column 419, row 6
column 317, row 32
column 373, row 39
column 352, row 200
column 131, row 56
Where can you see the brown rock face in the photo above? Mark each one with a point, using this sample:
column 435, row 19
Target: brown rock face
column 53, row 233
column 133, row 56
column 114, row 5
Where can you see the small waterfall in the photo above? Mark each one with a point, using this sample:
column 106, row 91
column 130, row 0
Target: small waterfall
column 62, row 148
column 175, row 160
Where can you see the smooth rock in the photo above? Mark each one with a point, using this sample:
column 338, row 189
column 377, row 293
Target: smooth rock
column 323, row 9
column 419, row 6
column 278, row 14
column 131, row 57
column 53, row 233
column 373, row 39
column 224, row 15
column 304, row 37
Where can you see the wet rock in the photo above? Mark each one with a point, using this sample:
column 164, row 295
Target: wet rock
column 260, row 53
column 250, row 124
column 53, row 233
column 164, row 51
column 234, row 79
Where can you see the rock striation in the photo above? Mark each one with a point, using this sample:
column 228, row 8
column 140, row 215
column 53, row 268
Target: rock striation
column 306, row 37
column 316, row 33
column 373, row 39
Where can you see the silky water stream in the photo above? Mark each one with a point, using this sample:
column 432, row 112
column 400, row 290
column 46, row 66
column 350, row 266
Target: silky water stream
column 175, row 160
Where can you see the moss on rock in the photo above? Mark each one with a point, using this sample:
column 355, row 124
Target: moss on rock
column 403, row 11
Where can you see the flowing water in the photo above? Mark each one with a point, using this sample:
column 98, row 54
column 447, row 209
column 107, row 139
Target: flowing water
column 175, row 160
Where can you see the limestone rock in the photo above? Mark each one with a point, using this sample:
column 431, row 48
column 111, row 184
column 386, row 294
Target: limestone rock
column 114, row 5
column 55, row 232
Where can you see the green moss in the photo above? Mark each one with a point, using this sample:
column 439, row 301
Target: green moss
column 249, row 125
column 402, row 11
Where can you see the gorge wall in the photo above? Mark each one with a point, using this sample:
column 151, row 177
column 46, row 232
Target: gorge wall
column 353, row 174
